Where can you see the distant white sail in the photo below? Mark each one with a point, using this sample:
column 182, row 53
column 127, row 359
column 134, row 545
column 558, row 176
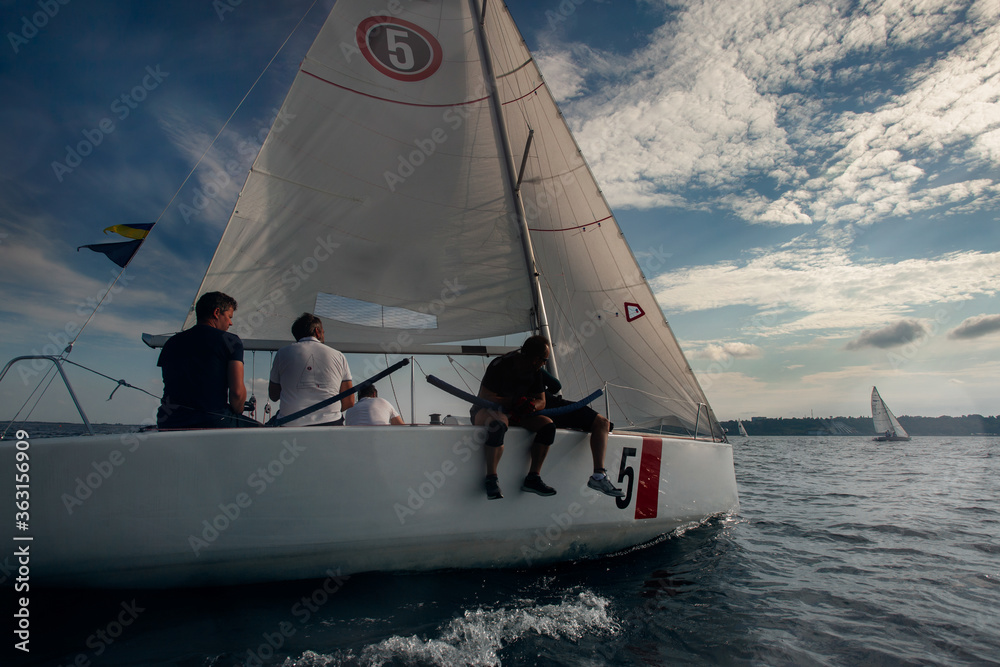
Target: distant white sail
column 885, row 422
column 743, row 430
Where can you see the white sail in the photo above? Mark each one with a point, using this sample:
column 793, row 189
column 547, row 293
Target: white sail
column 743, row 430
column 885, row 422
column 381, row 202
column 606, row 323
column 386, row 205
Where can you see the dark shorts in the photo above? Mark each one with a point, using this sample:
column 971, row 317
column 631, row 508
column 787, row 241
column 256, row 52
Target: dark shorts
column 339, row 422
column 581, row 419
column 187, row 418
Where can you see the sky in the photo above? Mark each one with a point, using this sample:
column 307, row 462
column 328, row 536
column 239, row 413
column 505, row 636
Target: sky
column 811, row 188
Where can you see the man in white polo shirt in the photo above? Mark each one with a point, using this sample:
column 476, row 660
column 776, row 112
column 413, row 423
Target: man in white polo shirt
column 307, row 372
column 371, row 410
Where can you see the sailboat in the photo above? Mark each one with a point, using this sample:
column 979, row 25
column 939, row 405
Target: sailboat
column 425, row 196
column 743, row 430
column 886, row 425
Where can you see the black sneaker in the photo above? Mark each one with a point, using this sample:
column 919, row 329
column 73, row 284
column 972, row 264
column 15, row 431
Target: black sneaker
column 605, row 486
column 493, row 488
column 534, row 484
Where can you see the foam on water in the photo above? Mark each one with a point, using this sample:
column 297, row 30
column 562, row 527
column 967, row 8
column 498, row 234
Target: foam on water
column 478, row 635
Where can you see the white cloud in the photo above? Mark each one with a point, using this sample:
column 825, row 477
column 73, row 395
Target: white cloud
column 752, row 206
column 683, row 115
column 987, row 146
column 769, row 94
column 803, row 288
column 882, row 166
column 816, row 343
column 561, row 73
column 209, row 196
column 964, row 389
column 841, row 394
column 726, row 351
column 43, row 315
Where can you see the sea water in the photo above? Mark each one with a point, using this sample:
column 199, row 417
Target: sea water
column 844, row 552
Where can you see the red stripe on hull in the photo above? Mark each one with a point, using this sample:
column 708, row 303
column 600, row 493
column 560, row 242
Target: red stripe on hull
column 648, row 492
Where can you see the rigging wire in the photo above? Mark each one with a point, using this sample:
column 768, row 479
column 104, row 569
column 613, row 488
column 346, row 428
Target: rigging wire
column 417, row 364
column 30, row 396
column 454, row 364
column 651, row 395
column 121, row 383
column 44, row 377
column 61, row 360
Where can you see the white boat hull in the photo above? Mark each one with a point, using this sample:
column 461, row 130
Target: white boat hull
column 205, row 508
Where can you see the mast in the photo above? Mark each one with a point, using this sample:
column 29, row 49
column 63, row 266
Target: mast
column 541, row 319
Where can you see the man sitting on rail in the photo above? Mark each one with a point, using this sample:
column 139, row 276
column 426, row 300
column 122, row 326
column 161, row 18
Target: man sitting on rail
column 517, row 383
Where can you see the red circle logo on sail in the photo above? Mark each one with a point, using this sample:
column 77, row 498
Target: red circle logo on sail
column 399, row 49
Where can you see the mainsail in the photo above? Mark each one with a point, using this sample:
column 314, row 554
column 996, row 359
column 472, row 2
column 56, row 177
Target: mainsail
column 606, row 323
column 885, row 422
column 417, row 148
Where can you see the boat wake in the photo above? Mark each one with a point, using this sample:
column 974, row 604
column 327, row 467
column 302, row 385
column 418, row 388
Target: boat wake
column 477, row 637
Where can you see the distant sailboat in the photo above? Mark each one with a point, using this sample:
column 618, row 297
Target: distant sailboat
column 743, row 431
column 886, row 425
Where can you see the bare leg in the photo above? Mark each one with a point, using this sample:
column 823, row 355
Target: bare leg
column 538, row 452
column 599, row 441
column 493, row 454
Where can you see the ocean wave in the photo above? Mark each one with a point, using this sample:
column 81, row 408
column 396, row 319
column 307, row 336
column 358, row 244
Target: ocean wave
column 477, row 637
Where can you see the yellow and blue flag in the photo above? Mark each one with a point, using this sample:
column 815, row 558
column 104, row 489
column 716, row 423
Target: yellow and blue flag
column 136, row 231
column 121, row 253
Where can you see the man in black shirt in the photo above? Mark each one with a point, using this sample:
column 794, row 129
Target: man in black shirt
column 517, row 382
column 203, row 371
